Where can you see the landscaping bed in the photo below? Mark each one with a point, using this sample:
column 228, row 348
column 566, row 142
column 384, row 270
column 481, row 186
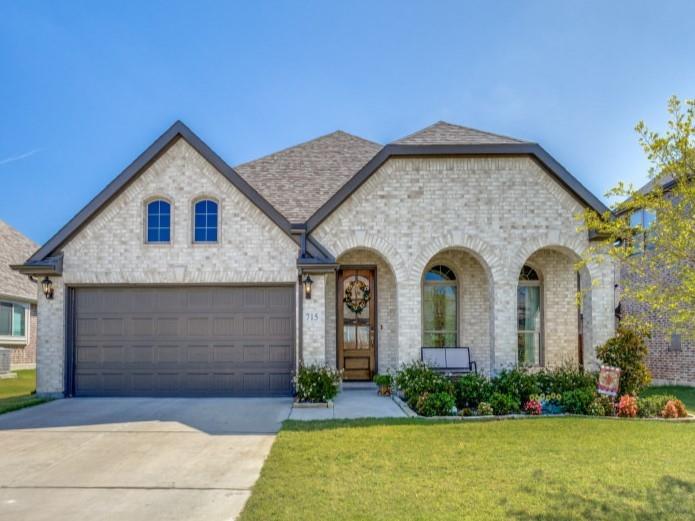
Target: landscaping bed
column 561, row 468
column 567, row 389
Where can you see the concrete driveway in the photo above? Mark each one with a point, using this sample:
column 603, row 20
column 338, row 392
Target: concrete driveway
column 135, row 458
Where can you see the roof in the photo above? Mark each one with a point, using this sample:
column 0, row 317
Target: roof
column 297, row 188
column 443, row 133
column 299, row 179
column 15, row 248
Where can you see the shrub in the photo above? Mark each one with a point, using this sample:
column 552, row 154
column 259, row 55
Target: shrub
column 435, row 404
column 517, row 383
column 578, row 401
column 315, row 383
column 652, row 406
column 504, row 404
column 674, row 409
column 627, row 406
column 601, row 406
column 628, row 351
column 471, row 389
column 484, row 409
column 383, row 380
column 565, row 378
column 416, row 379
column 533, row 407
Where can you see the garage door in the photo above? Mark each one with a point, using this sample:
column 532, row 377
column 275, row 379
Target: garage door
column 184, row 341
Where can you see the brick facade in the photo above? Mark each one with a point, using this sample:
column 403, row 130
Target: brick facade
column 497, row 213
column 485, row 217
column 111, row 248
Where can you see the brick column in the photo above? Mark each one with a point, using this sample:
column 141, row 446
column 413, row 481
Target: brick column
column 504, row 322
column 50, row 345
column 314, row 322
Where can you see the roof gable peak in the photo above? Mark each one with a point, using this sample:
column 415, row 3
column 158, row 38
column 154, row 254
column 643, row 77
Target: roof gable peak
column 445, row 133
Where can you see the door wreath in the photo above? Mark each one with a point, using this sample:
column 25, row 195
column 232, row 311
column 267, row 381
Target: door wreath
column 357, row 296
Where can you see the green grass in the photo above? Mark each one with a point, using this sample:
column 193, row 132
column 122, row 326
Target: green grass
column 557, row 469
column 684, row 394
column 18, row 393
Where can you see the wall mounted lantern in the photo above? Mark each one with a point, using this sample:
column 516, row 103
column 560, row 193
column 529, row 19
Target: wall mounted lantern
column 307, row 287
column 47, row 286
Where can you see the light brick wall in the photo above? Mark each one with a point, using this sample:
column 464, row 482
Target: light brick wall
column 111, row 248
column 50, row 348
column 501, row 210
column 331, row 340
column 314, row 322
column 559, row 304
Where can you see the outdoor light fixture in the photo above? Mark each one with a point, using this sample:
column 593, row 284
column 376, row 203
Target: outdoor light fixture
column 47, row 286
column 307, row 287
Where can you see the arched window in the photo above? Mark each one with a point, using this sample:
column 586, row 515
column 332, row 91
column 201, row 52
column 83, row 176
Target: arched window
column 529, row 313
column 439, row 308
column 205, row 221
column 158, row 221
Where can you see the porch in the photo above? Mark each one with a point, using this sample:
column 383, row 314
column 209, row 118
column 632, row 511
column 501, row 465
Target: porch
column 519, row 308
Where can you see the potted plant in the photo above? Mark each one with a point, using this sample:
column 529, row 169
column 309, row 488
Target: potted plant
column 383, row 381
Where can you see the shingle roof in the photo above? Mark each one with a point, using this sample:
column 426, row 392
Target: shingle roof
column 299, row 179
column 15, row 248
column 443, row 133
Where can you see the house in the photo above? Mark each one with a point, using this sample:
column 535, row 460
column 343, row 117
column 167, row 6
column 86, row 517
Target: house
column 671, row 358
column 17, row 299
column 186, row 276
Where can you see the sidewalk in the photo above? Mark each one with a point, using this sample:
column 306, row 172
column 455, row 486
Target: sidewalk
column 353, row 403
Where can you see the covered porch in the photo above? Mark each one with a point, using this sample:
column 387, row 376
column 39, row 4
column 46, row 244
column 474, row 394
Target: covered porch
column 523, row 310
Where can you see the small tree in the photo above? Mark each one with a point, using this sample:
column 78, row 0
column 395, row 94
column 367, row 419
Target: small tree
column 628, row 351
column 657, row 258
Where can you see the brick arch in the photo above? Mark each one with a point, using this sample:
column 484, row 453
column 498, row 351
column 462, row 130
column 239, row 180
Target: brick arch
column 360, row 239
column 484, row 253
column 572, row 247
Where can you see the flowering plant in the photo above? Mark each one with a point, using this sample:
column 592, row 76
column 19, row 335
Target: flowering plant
column 533, row 407
column 627, row 406
column 315, row 383
column 485, row 409
column 674, row 409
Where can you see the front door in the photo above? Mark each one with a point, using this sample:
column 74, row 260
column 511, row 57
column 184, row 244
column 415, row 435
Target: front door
column 357, row 323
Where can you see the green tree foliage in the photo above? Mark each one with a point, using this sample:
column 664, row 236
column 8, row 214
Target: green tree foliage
column 628, row 351
column 660, row 260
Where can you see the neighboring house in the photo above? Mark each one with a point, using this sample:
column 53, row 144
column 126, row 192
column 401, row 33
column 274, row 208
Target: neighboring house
column 17, row 299
column 671, row 358
column 186, row 276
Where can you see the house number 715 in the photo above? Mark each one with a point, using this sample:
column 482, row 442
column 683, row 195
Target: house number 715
column 311, row 316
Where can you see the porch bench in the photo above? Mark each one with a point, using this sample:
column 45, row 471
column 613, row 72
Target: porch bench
column 450, row 361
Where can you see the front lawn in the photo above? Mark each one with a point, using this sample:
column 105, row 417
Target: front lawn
column 683, row 393
column 533, row 469
column 18, row 393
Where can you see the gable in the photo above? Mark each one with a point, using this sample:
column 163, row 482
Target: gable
column 111, row 248
column 177, row 131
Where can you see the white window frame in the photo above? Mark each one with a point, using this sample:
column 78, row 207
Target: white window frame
column 18, row 340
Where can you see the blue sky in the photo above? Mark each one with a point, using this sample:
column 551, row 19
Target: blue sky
column 85, row 87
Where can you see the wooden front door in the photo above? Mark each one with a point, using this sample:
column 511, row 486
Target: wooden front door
column 357, row 323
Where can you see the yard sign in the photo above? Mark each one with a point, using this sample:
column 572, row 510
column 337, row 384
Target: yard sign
column 609, row 380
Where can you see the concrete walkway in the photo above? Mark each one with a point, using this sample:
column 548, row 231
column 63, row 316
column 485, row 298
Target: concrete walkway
column 353, row 403
column 135, row 458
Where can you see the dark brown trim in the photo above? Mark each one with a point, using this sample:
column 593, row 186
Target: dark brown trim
column 177, row 131
column 535, row 151
column 70, row 332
